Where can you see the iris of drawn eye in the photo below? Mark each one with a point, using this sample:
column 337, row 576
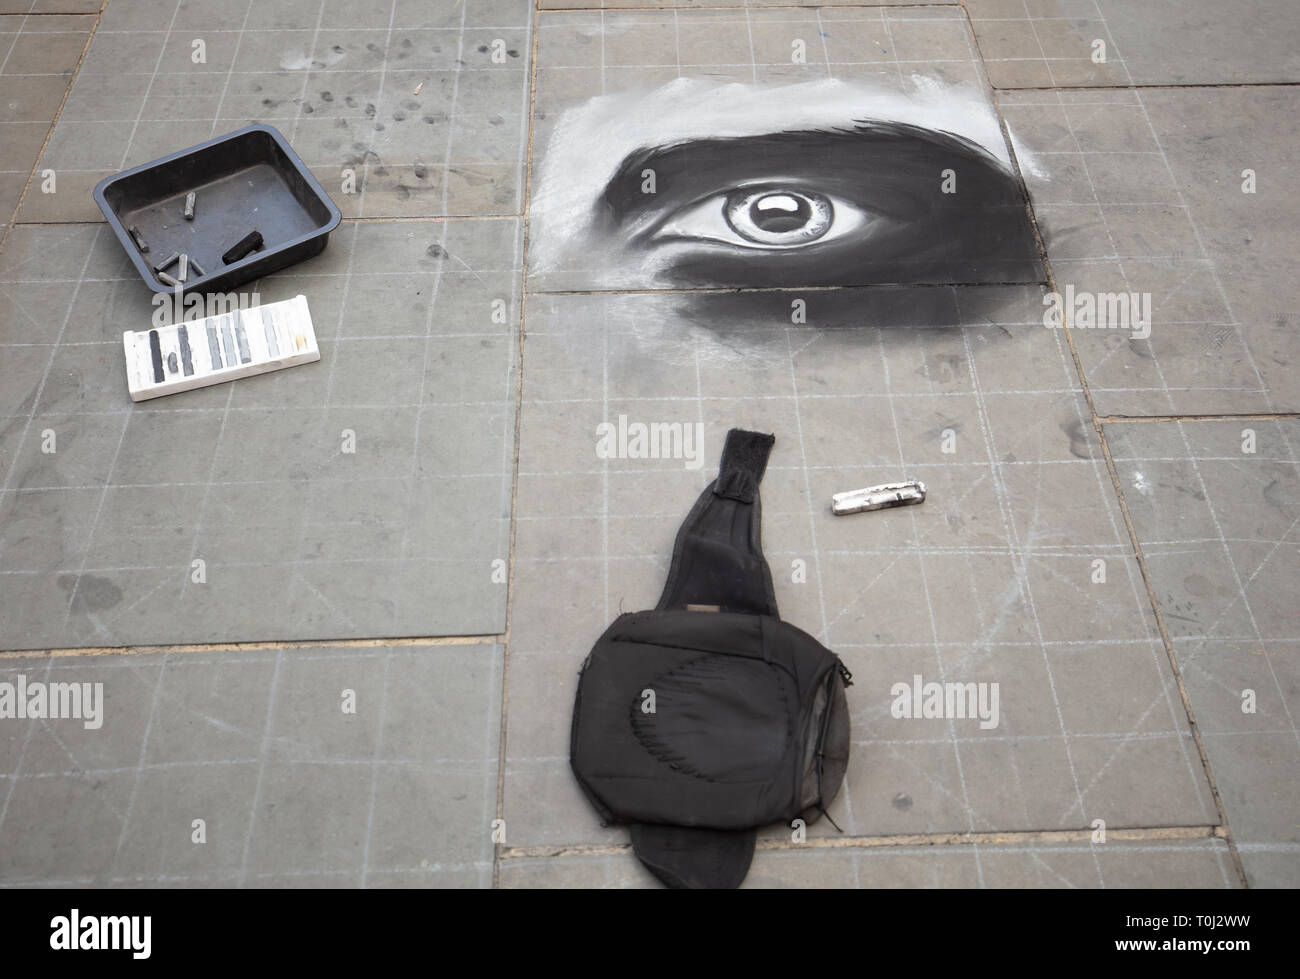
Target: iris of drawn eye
column 768, row 217
column 781, row 217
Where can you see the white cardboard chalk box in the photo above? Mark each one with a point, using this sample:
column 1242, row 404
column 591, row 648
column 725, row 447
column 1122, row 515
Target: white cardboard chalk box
column 220, row 348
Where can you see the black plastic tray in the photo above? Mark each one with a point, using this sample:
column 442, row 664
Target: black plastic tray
column 248, row 180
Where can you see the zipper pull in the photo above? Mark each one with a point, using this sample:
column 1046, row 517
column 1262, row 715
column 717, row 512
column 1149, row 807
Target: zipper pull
column 844, row 673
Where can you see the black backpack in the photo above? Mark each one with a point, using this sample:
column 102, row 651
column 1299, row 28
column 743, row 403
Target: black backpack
column 707, row 717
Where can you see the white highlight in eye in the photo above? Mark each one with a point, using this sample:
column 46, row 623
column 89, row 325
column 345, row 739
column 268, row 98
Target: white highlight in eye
column 777, row 218
column 783, row 201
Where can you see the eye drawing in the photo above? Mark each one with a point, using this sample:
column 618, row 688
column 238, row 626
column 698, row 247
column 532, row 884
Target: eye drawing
column 860, row 205
column 699, row 186
column 769, row 216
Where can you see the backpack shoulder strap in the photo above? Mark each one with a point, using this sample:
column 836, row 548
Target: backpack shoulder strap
column 718, row 561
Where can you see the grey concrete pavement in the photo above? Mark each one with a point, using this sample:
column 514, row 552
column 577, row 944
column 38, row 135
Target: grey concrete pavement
column 372, row 683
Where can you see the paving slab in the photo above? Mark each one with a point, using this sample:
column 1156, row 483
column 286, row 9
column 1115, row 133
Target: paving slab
column 1046, row 43
column 1064, row 43
column 1176, row 864
column 37, row 58
column 1218, row 527
column 397, row 110
column 302, row 529
column 325, row 766
column 1142, row 192
column 989, row 580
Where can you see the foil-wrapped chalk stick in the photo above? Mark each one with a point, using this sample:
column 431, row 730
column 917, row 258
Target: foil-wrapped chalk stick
column 878, row 497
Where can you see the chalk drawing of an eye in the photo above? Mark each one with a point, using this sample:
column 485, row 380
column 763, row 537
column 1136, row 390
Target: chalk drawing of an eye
column 770, row 216
column 704, row 185
column 863, row 203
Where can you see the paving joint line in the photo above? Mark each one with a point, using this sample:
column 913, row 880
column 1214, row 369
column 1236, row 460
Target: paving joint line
column 733, row 8
column 526, row 172
column 983, row 838
column 376, row 219
column 56, row 13
column 1139, row 556
column 1263, row 416
column 1137, row 86
column 484, row 639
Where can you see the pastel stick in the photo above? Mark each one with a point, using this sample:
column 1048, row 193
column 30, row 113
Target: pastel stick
column 155, row 353
column 187, row 362
column 242, row 338
column 268, row 324
column 214, row 347
column 227, row 342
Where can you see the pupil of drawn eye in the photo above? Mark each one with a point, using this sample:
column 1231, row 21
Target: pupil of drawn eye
column 779, row 217
column 780, row 212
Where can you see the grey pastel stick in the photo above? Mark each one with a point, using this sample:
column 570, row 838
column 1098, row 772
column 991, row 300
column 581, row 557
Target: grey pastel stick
column 164, row 277
column 242, row 338
column 155, row 355
column 183, row 271
column 187, row 360
column 140, row 243
column 227, row 342
column 189, row 206
column 214, row 347
column 268, row 325
column 174, row 256
column 198, row 269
